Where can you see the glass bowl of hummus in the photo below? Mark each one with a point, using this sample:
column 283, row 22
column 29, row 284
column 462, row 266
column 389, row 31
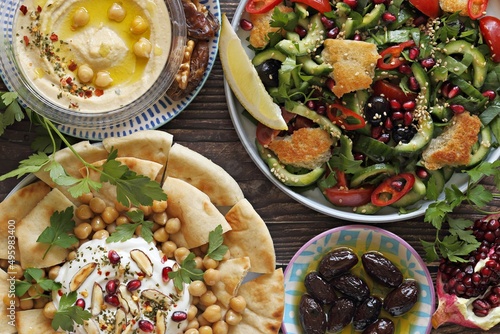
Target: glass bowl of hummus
column 88, row 63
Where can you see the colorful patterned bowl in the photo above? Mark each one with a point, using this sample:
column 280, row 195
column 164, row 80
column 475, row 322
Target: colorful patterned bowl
column 361, row 238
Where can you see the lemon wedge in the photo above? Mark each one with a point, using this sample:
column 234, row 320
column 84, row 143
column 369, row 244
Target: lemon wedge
column 244, row 80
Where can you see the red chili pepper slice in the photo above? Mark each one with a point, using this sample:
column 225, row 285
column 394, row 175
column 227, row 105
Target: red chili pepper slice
column 392, row 54
column 260, row 6
column 341, row 195
column 476, row 8
column 345, row 117
column 392, row 189
column 321, row 6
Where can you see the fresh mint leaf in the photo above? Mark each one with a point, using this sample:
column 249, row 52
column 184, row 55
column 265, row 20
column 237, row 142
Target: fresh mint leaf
column 186, row 273
column 216, row 249
column 58, row 233
column 31, row 165
column 68, row 313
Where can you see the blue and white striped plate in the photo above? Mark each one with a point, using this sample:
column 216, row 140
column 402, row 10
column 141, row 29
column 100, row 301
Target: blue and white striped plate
column 157, row 115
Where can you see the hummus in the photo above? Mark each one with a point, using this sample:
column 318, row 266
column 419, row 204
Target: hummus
column 92, row 56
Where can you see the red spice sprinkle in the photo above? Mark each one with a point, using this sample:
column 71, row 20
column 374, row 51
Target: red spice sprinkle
column 88, row 93
column 99, row 272
column 107, row 273
column 69, row 80
column 72, row 66
column 59, row 292
column 23, row 9
column 39, row 9
column 26, row 40
column 54, row 37
column 98, row 92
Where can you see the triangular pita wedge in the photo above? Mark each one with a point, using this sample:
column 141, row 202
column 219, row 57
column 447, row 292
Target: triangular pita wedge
column 33, row 322
column 146, row 168
column 192, row 167
column 5, row 316
column 33, row 224
column 250, row 237
column 72, row 164
column 16, row 207
column 196, row 212
column 153, row 145
column 232, row 273
column 265, row 297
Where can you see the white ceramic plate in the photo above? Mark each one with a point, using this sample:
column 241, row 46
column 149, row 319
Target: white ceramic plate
column 159, row 113
column 313, row 198
column 361, row 239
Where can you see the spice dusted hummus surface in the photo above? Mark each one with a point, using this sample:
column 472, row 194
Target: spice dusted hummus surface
column 124, row 283
column 92, row 56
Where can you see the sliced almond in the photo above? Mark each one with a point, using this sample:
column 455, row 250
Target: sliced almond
column 91, row 327
column 97, row 299
column 128, row 329
column 142, row 261
column 158, row 297
column 161, row 327
column 127, row 297
column 81, row 276
column 120, row 321
column 123, row 303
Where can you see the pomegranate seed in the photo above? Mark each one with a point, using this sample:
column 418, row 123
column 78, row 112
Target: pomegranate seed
column 408, row 118
column 481, row 313
column 457, row 108
column 328, row 23
column 413, row 53
column 428, row 63
column 321, row 109
column 333, row 33
column 351, row 3
column 111, row 287
column 489, row 236
column 80, row 302
column 405, row 69
column 409, row 105
column 397, row 115
column 490, row 94
column 397, row 185
column 481, row 304
column 179, row 316
column 133, row 285
column 419, row 21
column 377, row 2
column 146, row 326
column 359, row 156
column 395, row 105
column 445, row 88
column 330, row 83
column 388, row 124
column 384, row 138
column 388, row 17
column 413, row 84
column 301, row 31
column 246, row 25
column 376, row 132
column 486, row 272
column 357, row 37
column 113, row 257
column 422, row 173
column 112, row 300
column 453, row 91
column 311, row 104
column 493, row 225
column 164, row 274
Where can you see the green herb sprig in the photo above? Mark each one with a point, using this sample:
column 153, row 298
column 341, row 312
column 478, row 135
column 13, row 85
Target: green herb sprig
column 216, row 248
column 59, row 233
column 12, row 110
column 68, row 313
column 460, row 241
column 125, row 232
column 35, row 277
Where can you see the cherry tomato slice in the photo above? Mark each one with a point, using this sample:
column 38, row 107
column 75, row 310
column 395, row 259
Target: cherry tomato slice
column 476, row 8
column 392, row 54
column 261, row 6
column 349, row 197
column 345, row 117
column 392, row 189
column 392, row 91
column 490, row 29
column 321, row 6
column 427, row 7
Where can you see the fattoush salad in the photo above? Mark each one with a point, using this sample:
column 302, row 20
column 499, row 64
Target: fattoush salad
column 384, row 99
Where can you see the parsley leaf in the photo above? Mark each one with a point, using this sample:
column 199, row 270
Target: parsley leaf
column 58, row 233
column 33, row 277
column 31, row 165
column 186, row 273
column 12, row 111
column 68, row 313
column 216, row 249
column 125, row 232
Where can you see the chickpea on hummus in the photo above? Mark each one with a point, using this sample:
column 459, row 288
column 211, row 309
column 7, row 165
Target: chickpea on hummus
column 92, row 56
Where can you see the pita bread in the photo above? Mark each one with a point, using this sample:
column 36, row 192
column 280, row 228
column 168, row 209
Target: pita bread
column 152, row 145
column 72, row 164
column 232, row 273
column 33, row 224
column 250, row 237
column 33, row 322
column 192, row 167
column 196, row 212
column 16, row 207
column 265, row 297
column 4, row 312
column 146, row 168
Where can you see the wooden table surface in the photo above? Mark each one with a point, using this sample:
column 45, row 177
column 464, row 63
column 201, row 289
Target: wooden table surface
column 206, row 127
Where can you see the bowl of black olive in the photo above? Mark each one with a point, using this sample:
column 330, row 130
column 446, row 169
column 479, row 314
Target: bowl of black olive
column 360, row 279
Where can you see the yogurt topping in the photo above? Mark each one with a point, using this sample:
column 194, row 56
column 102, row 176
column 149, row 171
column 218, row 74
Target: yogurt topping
column 124, row 278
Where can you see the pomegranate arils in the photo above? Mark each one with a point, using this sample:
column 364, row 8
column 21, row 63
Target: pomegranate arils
column 133, row 285
column 388, row 17
column 164, row 274
column 146, row 326
column 333, row 33
column 112, row 300
column 114, row 257
column 246, row 25
column 457, row 108
column 413, row 53
column 80, row 302
column 490, row 94
column 179, row 316
column 328, row 23
column 111, row 287
column 301, row 31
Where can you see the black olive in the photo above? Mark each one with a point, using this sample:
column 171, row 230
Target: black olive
column 340, row 314
column 381, row 326
column 381, row 269
column 319, row 288
column 337, row 262
column 401, row 299
column 352, row 286
column 403, row 134
column 377, row 110
column 367, row 312
column 268, row 72
column 312, row 317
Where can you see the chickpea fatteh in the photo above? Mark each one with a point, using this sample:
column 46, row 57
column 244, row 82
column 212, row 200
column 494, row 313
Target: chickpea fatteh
column 84, row 58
